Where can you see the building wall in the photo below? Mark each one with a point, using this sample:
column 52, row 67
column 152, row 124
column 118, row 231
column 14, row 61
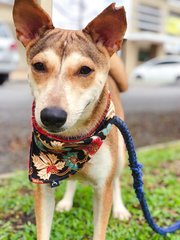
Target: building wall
column 153, row 38
column 5, row 14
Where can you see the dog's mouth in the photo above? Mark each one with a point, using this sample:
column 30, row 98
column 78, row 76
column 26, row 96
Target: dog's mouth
column 53, row 130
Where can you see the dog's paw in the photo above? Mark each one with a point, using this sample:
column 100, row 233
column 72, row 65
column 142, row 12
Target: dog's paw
column 64, row 206
column 121, row 213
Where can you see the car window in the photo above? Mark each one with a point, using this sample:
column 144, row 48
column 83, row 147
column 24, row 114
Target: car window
column 167, row 62
column 4, row 31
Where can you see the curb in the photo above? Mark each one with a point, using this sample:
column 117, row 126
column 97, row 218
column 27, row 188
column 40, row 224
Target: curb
column 159, row 145
column 6, row 176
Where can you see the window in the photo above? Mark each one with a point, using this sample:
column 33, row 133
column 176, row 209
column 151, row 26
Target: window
column 149, row 18
column 167, row 62
column 143, row 55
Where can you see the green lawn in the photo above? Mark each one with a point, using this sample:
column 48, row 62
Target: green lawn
column 161, row 179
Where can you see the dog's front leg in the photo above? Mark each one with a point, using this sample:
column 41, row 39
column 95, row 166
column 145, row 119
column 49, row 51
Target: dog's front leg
column 44, row 209
column 102, row 209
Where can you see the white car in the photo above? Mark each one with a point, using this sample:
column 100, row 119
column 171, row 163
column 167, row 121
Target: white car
column 161, row 70
column 9, row 57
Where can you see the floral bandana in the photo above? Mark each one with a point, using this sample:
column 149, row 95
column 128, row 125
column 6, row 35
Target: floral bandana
column 53, row 159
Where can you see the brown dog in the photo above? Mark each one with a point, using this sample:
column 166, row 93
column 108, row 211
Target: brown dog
column 70, row 77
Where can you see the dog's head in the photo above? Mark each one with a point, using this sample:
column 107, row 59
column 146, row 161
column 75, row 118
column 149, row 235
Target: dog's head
column 67, row 69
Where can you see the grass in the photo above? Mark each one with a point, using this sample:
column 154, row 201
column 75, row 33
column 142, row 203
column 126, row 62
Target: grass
column 161, row 179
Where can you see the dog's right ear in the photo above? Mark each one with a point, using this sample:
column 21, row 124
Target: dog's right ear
column 30, row 20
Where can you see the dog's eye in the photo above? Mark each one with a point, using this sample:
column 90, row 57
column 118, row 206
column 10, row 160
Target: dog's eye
column 39, row 66
column 85, row 70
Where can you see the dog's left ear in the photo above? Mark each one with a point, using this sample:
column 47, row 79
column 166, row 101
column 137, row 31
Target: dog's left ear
column 109, row 28
column 30, row 20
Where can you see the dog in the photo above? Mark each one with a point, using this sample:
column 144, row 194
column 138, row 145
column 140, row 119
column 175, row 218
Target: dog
column 71, row 74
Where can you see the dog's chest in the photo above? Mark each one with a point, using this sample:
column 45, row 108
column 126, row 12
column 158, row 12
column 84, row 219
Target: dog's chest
column 98, row 169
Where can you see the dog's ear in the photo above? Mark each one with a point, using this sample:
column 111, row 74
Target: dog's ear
column 109, row 28
column 30, row 20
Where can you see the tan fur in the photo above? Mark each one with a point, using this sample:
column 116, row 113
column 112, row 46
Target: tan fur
column 84, row 97
column 117, row 72
column 44, row 199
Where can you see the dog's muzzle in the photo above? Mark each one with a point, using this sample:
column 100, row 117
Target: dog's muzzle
column 53, row 118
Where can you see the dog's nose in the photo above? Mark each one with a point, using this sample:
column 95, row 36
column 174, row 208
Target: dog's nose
column 53, row 117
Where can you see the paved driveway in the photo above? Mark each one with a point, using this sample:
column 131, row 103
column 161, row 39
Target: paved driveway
column 152, row 99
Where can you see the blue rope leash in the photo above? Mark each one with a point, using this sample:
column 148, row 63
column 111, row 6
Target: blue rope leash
column 137, row 177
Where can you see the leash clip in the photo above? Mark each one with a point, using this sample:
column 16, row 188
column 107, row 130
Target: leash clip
column 54, row 183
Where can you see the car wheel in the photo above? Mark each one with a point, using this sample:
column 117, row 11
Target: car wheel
column 139, row 78
column 178, row 80
column 3, row 77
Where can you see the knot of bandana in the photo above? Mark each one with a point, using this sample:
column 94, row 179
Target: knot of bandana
column 53, row 159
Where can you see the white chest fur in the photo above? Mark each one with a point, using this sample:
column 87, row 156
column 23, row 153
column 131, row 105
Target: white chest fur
column 98, row 169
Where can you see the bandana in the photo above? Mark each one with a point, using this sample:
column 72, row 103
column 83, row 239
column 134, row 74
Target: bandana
column 53, row 158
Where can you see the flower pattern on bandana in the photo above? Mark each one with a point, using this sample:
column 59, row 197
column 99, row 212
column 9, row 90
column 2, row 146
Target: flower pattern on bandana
column 47, row 164
column 55, row 146
column 71, row 160
column 53, row 159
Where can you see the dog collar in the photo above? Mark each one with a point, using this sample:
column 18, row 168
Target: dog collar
column 53, row 158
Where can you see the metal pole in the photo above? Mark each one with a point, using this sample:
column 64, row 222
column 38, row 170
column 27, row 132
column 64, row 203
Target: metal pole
column 46, row 5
